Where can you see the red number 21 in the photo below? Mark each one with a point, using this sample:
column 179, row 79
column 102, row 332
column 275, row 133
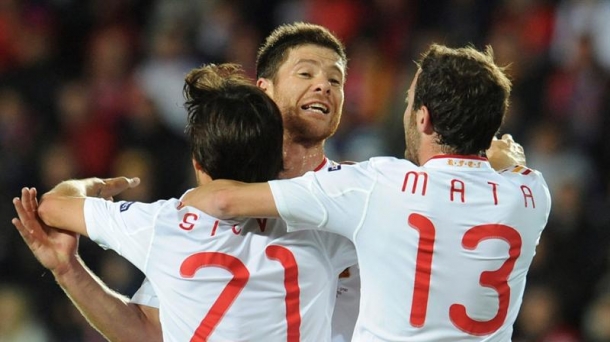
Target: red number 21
column 497, row 279
column 240, row 277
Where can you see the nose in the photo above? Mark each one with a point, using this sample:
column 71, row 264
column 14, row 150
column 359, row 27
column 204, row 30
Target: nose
column 323, row 86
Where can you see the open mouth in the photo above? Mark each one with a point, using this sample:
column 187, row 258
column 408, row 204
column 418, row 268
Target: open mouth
column 316, row 107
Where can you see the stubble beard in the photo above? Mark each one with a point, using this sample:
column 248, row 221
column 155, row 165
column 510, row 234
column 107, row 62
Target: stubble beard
column 303, row 131
column 413, row 141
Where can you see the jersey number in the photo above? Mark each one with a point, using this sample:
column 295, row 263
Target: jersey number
column 498, row 279
column 240, row 277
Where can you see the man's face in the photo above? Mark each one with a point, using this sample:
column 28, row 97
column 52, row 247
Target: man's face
column 412, row 136
column 308, row 89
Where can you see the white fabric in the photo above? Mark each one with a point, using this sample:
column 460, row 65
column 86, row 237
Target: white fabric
column 173, row 246
column 346, row 306
column 379, row 206
column 345, row 313
column 146, row 295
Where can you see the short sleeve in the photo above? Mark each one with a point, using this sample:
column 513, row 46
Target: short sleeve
column 125, row 227
column 332, row 200
column 146, row 295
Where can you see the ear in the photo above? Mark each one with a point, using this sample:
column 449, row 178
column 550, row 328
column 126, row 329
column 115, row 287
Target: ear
column 196, row 165
column 423, row 121
column 263, row 83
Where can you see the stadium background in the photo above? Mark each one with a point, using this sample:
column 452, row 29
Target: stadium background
column 93, row 88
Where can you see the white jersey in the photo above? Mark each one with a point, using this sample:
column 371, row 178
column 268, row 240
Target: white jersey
column 345, row 311
column 443, row 249
column 226, row 280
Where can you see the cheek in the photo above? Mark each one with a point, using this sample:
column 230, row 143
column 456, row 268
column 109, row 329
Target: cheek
column 340, row 97
column 337, row 97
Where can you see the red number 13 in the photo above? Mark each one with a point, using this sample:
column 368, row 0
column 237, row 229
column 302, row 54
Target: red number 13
column 497, row 279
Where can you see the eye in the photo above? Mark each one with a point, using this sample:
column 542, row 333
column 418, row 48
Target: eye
column 335, row 81
column 305, row 74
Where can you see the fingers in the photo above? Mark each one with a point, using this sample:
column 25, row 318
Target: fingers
column 512, row 143
column 15, row 221
column 28, row 198
column 123, row 182
column 506, row 140
column 21, row 223
column 21, row 212
column 23, row 231
column 133, row 182
column 34, row 193
column 114, row 186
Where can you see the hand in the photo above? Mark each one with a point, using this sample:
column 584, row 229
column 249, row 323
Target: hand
column 109, row 187
column 55, row 249
column 505, row 152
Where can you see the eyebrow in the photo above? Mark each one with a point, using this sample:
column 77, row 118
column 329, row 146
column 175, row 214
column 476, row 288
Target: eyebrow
column 313, row 61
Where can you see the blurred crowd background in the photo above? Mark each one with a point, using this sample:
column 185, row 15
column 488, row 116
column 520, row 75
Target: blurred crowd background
column 94, row 88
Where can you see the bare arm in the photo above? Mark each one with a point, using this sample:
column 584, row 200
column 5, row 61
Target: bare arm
column 107, row 311
column 62, row 207
column 227, row 199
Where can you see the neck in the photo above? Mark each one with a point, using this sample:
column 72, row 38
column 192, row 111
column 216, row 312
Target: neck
column 202, row 177
column 428, row 149
column 299, row 159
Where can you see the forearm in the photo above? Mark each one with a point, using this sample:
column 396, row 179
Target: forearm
column 250, row 200
column 107, row 311
column 62, row 207
column 228, row 199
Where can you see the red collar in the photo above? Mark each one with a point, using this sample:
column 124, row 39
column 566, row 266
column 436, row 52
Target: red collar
column 319, row 167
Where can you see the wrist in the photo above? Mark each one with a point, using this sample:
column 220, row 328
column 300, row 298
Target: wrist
column 68, row 271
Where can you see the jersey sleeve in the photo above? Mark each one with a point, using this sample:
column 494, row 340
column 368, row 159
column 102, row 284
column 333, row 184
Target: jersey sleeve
column 332, row 200
column 534, row 182
column 125, row 227
column 146, row 295
column 533, row 179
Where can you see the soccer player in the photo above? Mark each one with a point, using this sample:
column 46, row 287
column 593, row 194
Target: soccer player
column 214, row 279
column 444, row 242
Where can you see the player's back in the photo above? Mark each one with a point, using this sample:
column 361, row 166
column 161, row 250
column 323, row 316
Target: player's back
column 443, row 249
column 229, row 281
column 448, row 258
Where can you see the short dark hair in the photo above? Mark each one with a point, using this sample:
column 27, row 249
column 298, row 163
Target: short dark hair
column 467, row 96
column 234, row 129
column 274, row 50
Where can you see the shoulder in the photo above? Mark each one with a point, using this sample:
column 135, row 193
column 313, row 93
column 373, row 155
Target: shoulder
column 378, row 162
column 369, row 165
column 132, row 208
column 523, row 174
column 360, row 173
column 527, row 179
